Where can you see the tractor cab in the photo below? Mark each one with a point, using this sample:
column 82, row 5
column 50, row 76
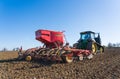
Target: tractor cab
column 87, row 35
column 90, row 36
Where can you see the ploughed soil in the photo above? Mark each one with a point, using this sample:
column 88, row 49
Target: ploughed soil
column 102, row 66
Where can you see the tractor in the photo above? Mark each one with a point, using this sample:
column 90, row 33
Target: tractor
column 90, row 41
column 54, row 49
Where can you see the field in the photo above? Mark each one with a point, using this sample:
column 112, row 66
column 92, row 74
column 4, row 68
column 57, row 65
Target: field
column 102, row 66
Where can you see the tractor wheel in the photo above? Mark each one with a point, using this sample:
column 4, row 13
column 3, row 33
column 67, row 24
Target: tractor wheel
column 101, row 49
column 68, row 59
column 28, row 58
column 94, row 48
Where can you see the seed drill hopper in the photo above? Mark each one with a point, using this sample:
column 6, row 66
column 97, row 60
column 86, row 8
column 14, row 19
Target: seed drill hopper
column 53, row 49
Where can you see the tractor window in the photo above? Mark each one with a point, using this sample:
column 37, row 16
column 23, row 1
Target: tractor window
column 92, row 36
column 85, row 36
column 96, row 35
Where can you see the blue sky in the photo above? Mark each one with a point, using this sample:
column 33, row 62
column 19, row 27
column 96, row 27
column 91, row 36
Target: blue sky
column 19, row 19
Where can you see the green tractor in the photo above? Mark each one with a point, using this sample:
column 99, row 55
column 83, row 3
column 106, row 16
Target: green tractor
column 89, row 41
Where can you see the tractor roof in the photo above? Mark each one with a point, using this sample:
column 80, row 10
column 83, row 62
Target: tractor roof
column 87, row 32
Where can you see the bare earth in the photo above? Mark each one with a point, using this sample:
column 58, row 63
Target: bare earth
column 102, row 66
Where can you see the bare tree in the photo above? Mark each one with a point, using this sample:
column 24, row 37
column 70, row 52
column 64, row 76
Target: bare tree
column 4, row 49
column 16, row 49
column 113, row 45
column 110, row 45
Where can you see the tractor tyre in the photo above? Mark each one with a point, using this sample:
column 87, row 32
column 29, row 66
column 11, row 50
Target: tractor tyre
column 101, row 49
column 67, row 59
column 92, row 46
column 28, row 58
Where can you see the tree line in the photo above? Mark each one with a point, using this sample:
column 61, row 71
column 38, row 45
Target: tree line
column 109, row 46
column 14, row 49
column 113, row 45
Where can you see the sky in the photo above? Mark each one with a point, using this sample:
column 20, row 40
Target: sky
column 19, row 19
